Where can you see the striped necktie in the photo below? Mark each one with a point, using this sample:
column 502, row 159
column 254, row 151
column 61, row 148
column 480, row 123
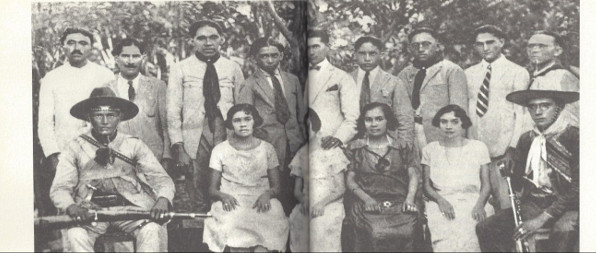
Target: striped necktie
column 482, row 105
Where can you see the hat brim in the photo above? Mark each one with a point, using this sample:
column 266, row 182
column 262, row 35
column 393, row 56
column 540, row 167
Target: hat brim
column 522, row 97
column 81, row 109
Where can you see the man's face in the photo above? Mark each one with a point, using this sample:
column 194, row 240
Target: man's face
column 488, row 46
column 207, row 41
column 106, row 120
column 268, row 58
column 317, row 50
column 544, row 112
column 542, row 50
column 368, row 56
column 129, row 61
column 77, row 48
column 424, row 46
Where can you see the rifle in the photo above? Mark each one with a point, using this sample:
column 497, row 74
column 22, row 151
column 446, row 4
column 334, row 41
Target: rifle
column 64, row 221
column 520, row 245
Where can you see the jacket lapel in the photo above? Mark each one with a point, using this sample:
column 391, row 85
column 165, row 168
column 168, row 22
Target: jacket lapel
column 264, row 88
column 431, row 73
column 324, row 82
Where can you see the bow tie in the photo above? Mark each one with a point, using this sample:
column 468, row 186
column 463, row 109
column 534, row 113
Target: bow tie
column 315, row 67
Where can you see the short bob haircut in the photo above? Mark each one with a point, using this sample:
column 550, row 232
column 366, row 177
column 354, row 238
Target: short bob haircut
column 387, row 111
column 127, row 42
column 264, row 42
column 458, row 111
column 368, row 39
column 491, row 29
column 248, row 109
column 192, row 31
column 76, row 30
column 319, row 34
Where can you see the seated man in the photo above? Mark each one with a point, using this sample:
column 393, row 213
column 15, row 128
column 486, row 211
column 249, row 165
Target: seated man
column 545, row 175
column 92, row 175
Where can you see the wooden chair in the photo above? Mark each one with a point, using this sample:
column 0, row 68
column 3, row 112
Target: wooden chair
column 536, row 241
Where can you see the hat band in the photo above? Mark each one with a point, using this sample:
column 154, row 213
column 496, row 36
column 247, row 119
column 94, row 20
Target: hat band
column 104, row 108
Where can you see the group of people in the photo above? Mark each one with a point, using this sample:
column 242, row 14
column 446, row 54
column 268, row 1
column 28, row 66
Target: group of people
column 394, row 163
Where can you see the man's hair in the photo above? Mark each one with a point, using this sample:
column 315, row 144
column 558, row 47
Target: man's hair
column 558, row 40
column 364, row 39
column 248, row 109
column 196, row 25
column 458, row 111
column 127, row 42
column 387, row 111
column 319, row 34
column 424, row 29
column 494, row 30
column 264, row 42
column 76, row 30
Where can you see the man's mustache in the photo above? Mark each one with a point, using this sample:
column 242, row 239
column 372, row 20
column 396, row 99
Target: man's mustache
column 76, row 52
column 130, row 65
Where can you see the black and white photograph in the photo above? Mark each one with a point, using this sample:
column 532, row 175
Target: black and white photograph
column 302, row 126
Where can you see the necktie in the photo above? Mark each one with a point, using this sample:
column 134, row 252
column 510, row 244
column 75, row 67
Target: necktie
column 282, row 112
column 482, row 104
column 365, row 90
column 211, row 90
column 417, row 85
column 314, row 67
column 131, row 91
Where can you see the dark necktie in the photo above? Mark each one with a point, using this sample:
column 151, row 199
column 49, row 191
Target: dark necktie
column 211, row 90
column 365, row 90
column 131, row 91
column 282, row 112
column 314, row 67
column 417, row 85
column 482, row 104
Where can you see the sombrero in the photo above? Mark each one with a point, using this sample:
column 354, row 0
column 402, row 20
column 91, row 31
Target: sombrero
column 522, row 97
column 104, row 96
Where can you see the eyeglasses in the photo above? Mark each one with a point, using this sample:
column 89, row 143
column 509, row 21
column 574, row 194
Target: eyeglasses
column 541, row 106
column 539, row 46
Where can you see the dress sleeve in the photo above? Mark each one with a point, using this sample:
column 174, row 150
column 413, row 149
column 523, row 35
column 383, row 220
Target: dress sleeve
column 272, row 161
column 426, row 155
column 483, row 155
column 215, row 162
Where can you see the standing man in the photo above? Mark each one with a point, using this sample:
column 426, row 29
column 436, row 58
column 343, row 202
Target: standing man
column 432, row 83
column 277, row 95
column 332, row 93
column 545, row 176
column 496, row 122
column 544, row 49
column 376, row 85
column 60, row 89
column 90, row 176
column 200, row 92
column 148, row 93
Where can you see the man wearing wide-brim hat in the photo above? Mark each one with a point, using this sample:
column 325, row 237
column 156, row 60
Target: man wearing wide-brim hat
column 104, row 169
column 545, row 177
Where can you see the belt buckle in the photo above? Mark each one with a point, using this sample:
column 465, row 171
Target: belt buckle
column 387, row 204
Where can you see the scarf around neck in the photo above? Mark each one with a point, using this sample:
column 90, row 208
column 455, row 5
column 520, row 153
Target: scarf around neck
column 211, row 90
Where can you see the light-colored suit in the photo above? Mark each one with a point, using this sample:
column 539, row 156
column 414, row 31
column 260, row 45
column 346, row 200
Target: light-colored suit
column 185, row 100
column 445, row 83
column 150, row 124
column 257, row 91
column 390, row 90
column 333, row 94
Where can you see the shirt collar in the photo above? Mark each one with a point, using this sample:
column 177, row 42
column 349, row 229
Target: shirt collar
column 372, row 74
column 265, row 74
column 536, row 72
column 322, row 64
column 496, row 62
column 124, row 81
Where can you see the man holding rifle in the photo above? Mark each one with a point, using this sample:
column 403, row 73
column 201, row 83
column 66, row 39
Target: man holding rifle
column 545, row 175
column 107, row 170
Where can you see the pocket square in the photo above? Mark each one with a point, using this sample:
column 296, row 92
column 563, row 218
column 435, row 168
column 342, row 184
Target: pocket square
column 332, row 88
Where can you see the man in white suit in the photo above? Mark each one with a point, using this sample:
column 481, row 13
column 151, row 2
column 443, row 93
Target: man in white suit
column 495, row 121
column 332, row 93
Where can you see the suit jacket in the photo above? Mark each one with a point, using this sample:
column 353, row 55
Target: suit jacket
column 445, row 83
column 390, row 90
column 502, row 124
column 333, row 94
column 150, row 124
column 185, row 100
column 257, row 91
column 141, row 185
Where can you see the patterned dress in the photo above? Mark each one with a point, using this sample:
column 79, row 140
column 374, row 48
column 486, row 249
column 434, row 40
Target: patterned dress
column 244, row 176
column 458, row 181
column 324, row 233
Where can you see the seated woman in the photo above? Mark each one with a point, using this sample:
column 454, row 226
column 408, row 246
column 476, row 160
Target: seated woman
column 325, row 179
column 456, row 178
column 245, row 182
column 384, row 177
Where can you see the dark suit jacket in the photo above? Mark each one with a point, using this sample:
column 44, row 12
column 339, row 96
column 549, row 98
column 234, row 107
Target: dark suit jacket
column 150, row 125
column 256, row 90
